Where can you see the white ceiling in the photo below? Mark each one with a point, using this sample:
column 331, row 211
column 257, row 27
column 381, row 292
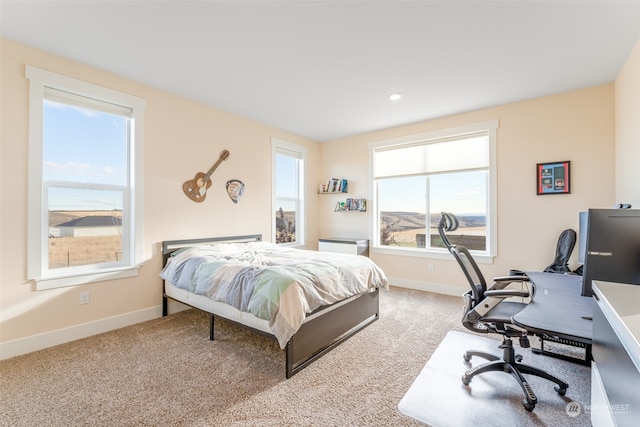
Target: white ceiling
column 324, row 69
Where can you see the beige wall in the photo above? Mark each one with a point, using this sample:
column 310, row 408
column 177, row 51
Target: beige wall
column 627, row 108
column 576, row 126
column 181, row 138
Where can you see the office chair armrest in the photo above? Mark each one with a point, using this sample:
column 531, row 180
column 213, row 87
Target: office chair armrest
column 511, row 279
column 505, row 294
column 502, row 282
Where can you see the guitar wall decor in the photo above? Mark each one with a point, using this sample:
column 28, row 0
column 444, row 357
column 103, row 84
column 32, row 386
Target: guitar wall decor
column 196, row 188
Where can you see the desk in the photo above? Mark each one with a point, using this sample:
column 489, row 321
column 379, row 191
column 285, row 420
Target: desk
column 558, row 311
column 615, row 373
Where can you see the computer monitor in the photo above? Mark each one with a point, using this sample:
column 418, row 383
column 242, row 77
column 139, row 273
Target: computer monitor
column 582, row 237
column 612, row 250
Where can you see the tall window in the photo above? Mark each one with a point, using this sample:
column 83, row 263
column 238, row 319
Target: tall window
column 288, row 192
column 85, row 191
column 418, row 177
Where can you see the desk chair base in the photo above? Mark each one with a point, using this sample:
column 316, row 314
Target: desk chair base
column 510, row 364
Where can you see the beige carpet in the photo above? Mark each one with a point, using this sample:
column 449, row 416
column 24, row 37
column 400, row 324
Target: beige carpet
column 438, row 397
column 166, row 372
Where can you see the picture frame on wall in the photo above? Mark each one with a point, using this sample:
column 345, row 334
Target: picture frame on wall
column 553, row 178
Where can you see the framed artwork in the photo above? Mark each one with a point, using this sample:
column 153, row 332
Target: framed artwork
column 553, row 178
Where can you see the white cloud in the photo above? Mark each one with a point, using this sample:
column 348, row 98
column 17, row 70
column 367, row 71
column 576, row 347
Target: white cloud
column 73, row 171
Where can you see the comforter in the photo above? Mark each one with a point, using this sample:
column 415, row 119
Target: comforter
column 278, row 284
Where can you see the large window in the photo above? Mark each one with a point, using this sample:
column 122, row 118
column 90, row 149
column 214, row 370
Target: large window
column 85, row 189
column 288, row 192
column 416, row 178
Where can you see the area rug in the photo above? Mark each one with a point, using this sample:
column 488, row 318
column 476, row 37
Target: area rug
column 438, row 398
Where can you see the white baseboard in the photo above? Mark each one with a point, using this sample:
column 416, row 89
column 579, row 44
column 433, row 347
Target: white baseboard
column 427, row 286
column 72, row 333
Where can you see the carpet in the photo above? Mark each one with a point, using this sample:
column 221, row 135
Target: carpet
column 166, row 373
column 438, row 398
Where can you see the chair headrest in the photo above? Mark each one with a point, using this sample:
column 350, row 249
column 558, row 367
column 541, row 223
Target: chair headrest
column 448, row 221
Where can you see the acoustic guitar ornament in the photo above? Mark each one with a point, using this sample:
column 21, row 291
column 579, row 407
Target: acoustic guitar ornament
column 196, row 188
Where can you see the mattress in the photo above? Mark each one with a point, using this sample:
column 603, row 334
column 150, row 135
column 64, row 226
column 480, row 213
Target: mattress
column 231, row 313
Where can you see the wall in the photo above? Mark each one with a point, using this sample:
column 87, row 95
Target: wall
column 627, row 107
column 576, row 126
column 181, row 138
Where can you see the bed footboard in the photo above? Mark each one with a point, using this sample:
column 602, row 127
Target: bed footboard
column 323, row 333
column 318, row 336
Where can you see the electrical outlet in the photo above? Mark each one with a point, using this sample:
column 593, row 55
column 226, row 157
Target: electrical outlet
column 84, row 297
column 430, row 266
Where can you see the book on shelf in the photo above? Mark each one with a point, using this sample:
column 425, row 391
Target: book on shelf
column 351, row 204
column 334, row 185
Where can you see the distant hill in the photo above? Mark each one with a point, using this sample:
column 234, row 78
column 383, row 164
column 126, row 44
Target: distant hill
column 413, row 220
column 56, row 218
column 94, row 221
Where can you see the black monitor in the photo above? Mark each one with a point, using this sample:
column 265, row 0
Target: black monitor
column 612, row 250
column 582, row 237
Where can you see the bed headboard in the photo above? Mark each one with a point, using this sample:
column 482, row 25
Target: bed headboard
column 169, row 246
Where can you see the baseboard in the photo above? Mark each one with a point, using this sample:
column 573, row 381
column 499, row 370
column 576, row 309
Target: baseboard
column 426, row 286
column 72, row 333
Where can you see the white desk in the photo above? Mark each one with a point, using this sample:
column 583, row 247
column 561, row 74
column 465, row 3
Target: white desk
column 615, row 372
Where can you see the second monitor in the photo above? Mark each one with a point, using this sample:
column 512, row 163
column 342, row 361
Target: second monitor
column 610, row 247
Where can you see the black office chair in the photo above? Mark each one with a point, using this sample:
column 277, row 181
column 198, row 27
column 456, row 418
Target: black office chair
column 486, row 311
column 566, row 242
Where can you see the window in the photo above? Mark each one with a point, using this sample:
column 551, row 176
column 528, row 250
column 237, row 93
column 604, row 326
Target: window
column 416, row 178
column 85, row 188
column 288, row 192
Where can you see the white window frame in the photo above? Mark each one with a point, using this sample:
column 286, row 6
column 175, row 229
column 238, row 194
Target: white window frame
column 487, row 256
column 279, row 146
column 38, row 270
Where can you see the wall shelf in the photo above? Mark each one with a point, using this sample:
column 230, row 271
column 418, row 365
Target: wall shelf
column 351, row 205
column 334, row 186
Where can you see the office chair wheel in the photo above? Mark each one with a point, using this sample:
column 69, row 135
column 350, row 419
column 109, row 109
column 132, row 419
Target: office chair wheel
column 466, row 380
column 528, row 406
column 518, row 358
column 467, row 357
column 560, row 390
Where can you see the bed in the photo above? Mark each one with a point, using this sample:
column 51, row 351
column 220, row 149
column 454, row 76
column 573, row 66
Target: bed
column 309, row 302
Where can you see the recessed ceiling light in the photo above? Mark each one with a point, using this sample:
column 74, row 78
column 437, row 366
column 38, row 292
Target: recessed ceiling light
column 395, row 96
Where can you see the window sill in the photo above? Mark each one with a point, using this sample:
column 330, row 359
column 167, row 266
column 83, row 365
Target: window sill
column 84, row 278
column 429, row 254
column 294, row 245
